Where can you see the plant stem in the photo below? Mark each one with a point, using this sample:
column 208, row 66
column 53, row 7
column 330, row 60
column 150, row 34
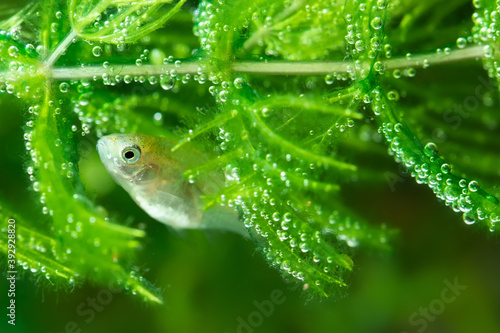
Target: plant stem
column 66, row 73
column 61, row 47
column 253, row 67
column 473, row 52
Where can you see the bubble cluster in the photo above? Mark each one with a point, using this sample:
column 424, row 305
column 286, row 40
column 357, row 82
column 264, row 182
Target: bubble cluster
column 364, row 35
column 286, row 179
column 461, row 194
column 305, row 255
column 21, row 75
column 303, row 240
column 118, row 25
column 485, row 32
column 52, row 169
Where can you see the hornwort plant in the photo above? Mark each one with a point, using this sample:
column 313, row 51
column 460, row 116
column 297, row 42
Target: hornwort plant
column 299, row 102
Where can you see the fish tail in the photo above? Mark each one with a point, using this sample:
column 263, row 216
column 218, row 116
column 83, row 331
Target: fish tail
column 224, row 218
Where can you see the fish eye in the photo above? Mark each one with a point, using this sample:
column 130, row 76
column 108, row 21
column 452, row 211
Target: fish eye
column 131, row 154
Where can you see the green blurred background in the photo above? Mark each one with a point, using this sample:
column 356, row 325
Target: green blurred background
column 209, row 280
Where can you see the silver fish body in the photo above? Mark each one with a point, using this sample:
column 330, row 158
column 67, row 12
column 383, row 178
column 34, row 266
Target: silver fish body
column 152, row 174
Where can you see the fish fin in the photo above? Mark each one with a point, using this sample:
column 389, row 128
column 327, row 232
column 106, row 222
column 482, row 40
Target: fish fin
column 224, row 218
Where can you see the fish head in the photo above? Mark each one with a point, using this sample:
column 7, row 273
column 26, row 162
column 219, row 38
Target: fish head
column 130, row 159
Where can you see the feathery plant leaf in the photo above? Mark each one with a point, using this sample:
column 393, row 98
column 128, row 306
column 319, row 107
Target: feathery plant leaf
column 119, row 21
column 285, row 151
column 290, row 99
column 34, row 251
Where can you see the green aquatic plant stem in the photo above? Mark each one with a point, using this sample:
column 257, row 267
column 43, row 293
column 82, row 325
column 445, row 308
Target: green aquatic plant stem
column 60, row 49
column 267, row 67
column 475, row 52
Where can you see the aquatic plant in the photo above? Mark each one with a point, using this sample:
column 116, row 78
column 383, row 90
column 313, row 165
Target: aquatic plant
column 293, row 99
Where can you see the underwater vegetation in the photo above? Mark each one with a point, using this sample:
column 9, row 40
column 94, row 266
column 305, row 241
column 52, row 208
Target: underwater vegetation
column 298, row 104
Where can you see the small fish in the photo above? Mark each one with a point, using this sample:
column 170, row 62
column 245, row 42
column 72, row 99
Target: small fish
column 152, row 174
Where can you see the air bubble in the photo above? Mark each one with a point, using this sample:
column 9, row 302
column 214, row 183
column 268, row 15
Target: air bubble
column 158, row 118
column 304, row 247
column 152, row 80
column 377, row 23
column 64, row 87
column 285, row 265
column 167, row 82
column 378, row 66
column 13, row 51
column 238, row 83
column 30, row 49
column 359, row 45
column 445, row 168
column 411, row 72
column 223, row 95
column 431, row 149
column 381, row 4
column 97, row 51
column 461, row 42
column 392, row 95
column 469, row 218
column 473, row 186
column 54, row 27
